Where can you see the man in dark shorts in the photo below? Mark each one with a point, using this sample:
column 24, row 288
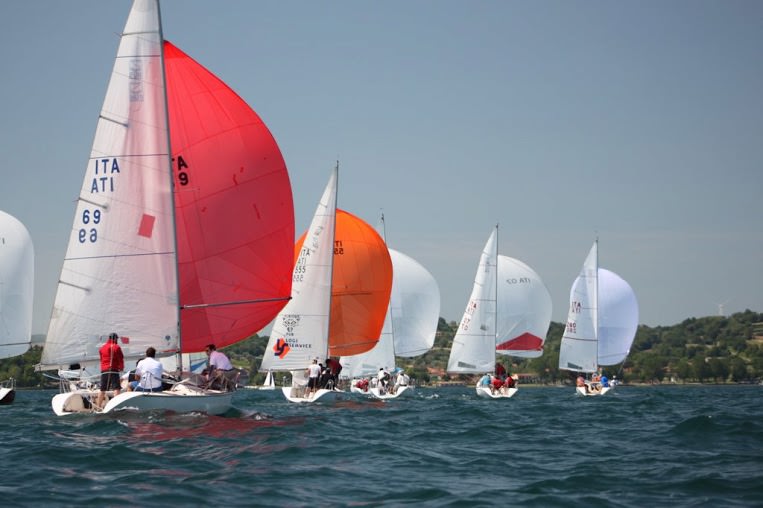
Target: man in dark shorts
column 112, row 363
column 313, row 373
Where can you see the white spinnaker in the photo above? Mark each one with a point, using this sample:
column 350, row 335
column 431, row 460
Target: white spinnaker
column 524, row 306
column 578, row 350
column 473, row 348
column 413, row 314
column 414, row 305
column 16, row 286
column 300, row 331
column 368, row 364
column 119, row 272
column 618, row 318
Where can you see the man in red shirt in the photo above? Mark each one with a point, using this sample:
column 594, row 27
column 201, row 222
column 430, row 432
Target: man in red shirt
column 112, row 363
column 496, row 384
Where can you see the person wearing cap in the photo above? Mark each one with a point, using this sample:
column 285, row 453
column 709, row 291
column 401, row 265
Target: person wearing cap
column 112, row 364
column 382, row 380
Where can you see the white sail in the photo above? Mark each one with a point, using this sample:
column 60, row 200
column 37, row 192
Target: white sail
column 414, row 306
column 578, row 350
column 603, row 319
column 300, row 331
column 473, row 348
column 618, row 318
column 16, row 286
column 122, row 239
column 524, row 310
column 369, row 363
column 411, row 321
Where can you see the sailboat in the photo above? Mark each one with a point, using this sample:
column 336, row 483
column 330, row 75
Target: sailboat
column 601, row 323
column 409, row 327
column 340, row 291
column 269, row 383
column 183, row 229
column 508, row 313
column 16, row 294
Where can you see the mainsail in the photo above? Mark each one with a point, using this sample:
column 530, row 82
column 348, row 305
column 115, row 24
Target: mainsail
column 119, row 271
column 473, row 348
column 300, row 331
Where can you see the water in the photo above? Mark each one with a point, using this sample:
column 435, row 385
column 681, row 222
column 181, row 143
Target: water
column 635, row 447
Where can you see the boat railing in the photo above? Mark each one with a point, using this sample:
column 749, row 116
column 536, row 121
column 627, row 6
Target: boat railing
column 8, row 383
column 72, row 380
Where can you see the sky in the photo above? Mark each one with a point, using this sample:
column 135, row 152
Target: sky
column 637, row 122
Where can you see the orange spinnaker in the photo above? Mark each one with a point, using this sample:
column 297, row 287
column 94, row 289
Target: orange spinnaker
column 360, row 287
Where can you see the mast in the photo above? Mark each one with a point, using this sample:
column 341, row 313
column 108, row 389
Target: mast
column 331, row 274
column 171, row 176
column 389, row 305
column 495, row 300
column 596, row 305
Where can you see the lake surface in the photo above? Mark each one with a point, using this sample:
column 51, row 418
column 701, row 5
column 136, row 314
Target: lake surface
column 545, row 447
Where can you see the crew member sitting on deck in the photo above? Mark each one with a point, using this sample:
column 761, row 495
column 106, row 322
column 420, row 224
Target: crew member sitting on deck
column 149, row 372
column 220, row 370
column 496, row 384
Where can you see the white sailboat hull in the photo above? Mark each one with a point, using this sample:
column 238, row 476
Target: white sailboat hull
column 485, row 392
column 402, row 391
column 181, row 399
column 582, row 390
column 297, row 396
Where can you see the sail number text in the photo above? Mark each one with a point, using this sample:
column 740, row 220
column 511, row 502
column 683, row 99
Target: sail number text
column 91, row 218
column 300, row 267
column 182, row 169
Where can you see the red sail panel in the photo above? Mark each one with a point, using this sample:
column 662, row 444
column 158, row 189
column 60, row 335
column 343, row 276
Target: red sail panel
column 361, row 285
column 525, row 342
column 233, row 205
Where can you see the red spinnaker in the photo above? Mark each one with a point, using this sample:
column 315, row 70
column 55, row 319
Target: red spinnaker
column 233, row 205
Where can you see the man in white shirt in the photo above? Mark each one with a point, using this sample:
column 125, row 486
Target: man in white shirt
column 149, row 371
column 313, row 374
column 219, row 365
column 218, row 360
column 401, row 380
